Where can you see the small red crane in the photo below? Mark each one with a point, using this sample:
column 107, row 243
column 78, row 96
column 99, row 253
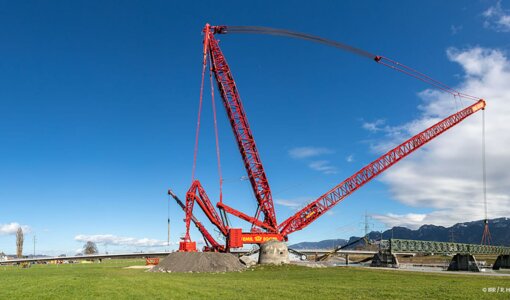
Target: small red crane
column 264, row 225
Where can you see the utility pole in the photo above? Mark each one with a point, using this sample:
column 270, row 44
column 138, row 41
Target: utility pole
column 366, row 224
column 366, row 227
column 168, row 225
column 35, row 239
column 452, row 235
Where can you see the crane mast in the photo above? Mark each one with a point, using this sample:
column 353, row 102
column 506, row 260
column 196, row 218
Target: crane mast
column 241, row 128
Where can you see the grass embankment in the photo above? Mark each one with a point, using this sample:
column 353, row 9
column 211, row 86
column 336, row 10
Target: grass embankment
column 110, row 281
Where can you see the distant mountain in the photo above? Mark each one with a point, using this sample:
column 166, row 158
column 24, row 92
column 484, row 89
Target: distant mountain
column 468, row 232
column 326, row 244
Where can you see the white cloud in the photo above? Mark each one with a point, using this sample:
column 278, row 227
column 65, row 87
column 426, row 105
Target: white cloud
column 393, row 134
column 410, row 220
column 497, row 18
column 11, row 228
column 110, row 239
column 288, row 203
column 298, row 203
column 350, row 158
column 445, row 176
column 306, row 152
column 374, row 126
column 455, row 29
column 323, row 166
column 294, row 204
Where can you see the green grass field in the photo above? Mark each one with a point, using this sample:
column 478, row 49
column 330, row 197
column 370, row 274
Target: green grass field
column 110, row 280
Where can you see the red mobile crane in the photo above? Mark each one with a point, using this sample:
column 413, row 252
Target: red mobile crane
column 267, row 228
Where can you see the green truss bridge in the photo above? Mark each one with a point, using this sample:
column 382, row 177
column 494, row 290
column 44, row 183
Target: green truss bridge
column 430, row 247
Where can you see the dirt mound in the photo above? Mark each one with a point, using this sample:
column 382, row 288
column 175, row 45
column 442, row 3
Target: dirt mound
column 199, row 262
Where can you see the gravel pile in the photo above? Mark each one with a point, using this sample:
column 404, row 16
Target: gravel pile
column 211, row 262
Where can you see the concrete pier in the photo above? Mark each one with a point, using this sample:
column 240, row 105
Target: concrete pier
column 463, row 262
column 385, row 260
column 502, row 262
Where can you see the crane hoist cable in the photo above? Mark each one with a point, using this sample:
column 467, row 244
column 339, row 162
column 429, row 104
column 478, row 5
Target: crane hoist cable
column 197, row 134
column 390, row 63
column 299, row 35
column 223, row 215
column 484, row 167
column 216, row 130
column 205, row 61
column 395, row 65
column 486, row 236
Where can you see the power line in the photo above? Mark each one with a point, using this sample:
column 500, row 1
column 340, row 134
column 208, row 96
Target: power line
column 452, row 235
column 366, row 226
column 35, row 239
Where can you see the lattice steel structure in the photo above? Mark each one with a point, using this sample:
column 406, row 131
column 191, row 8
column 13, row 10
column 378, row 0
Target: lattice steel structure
column 402, row 246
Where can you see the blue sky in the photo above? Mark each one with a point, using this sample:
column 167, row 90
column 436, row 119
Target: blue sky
column 99, row 101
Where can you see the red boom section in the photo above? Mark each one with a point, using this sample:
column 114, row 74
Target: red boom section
column 244, row 216
column 241, row 129
column 315, row 209
column 212, row 244
column 196, row 193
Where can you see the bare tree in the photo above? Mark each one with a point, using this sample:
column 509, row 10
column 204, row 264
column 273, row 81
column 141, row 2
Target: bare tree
column 19, row 243
column 90, row 248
